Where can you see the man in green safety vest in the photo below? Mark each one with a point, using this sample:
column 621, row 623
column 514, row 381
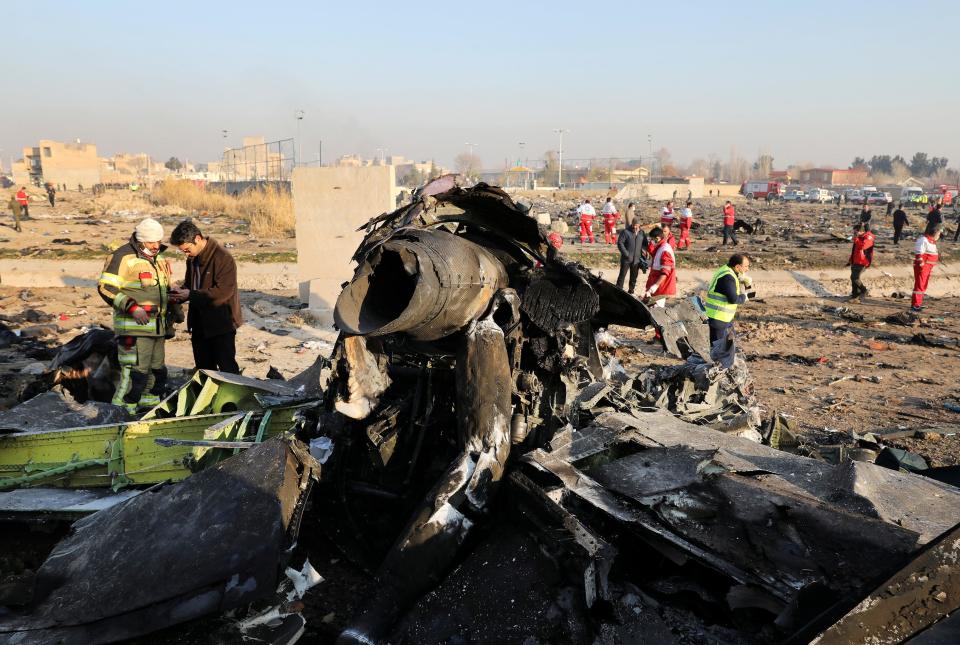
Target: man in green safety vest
column 727, row 290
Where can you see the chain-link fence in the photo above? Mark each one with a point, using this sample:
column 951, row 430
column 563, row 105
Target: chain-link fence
column 272, row 161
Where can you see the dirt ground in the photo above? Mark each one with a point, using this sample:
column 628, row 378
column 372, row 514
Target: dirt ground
column 82, row 226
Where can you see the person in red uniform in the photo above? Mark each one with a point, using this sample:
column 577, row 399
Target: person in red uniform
column 860, row 258
column 662, row 280
column 729, row 217
column 925, row 257
column 686, row 220
column 610, row 217
column 666, row 215
column 24, row 201
column 669, row 236
column 587, row 215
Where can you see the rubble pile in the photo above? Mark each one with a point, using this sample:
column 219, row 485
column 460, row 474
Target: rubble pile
column 492, row 473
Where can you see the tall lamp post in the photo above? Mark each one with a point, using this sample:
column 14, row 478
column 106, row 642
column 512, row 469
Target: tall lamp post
column 299, row 115
column 470, row 147
column 560, row 131
column 650, row 144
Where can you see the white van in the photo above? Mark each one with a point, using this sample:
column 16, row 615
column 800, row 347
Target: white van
column 819, row 195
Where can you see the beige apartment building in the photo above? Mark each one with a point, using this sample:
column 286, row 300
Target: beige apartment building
column 71, row 164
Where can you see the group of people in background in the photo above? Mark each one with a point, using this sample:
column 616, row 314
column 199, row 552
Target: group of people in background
column 655, row 250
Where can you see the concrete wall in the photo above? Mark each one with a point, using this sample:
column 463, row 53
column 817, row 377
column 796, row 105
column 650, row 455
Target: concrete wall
column 330, row 203
column 724, row 190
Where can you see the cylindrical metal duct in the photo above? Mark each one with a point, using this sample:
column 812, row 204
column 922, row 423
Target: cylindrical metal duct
column 427, row 283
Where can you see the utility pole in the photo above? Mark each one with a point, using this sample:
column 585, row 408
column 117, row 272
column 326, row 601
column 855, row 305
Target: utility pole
column 560, row 131
column 299, row 115
column 650, row 143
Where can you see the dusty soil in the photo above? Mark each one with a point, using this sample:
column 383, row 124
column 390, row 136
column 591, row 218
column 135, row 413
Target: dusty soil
column 796, row 236
column 838, row 367
column 82, row 226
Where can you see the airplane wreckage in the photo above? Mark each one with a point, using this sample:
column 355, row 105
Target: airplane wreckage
column 499, row 478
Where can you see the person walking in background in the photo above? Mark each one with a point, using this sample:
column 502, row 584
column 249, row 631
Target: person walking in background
column 666, row 215
column 729, row 217
column 662, row 281
column 610, row 217
column 631, row 244
column 630, row 214
column 899, row 221
column 135, row 282
column 935, row 216
column 925, row 257
column 587, row 214
column 889, row 207
column 24, row 201
column 686, row 221
column 861, row 257
column 865, row 213
column 51, row 195
column 210, row 289
column 15, row 211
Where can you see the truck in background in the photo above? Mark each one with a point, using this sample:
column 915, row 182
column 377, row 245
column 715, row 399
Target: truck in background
column 762, row 189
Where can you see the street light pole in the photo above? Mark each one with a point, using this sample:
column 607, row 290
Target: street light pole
column 299, row 115
column 560, row 131
column 650, row 143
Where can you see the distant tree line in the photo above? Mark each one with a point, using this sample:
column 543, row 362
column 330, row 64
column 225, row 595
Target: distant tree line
column 920, row 165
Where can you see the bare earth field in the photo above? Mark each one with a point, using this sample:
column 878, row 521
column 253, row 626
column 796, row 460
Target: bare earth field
column 834, row 366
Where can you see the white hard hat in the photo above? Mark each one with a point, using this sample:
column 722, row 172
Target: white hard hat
column 149, row 230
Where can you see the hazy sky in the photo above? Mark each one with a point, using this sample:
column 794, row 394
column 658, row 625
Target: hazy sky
column 805, row 81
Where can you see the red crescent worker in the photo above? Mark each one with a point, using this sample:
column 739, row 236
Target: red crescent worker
column 666, row 215
column 610, row 217
column 24, row 201
column 729, row 217
column 686, row 220
column 924, row 259
column 587, row 215
column 662, row 280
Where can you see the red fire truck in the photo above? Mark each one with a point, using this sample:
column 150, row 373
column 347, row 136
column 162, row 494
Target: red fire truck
column 762, row 189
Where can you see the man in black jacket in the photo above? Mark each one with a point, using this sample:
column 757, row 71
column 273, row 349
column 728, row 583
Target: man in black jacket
column 632, row 244
column 899, row 221
column 210, row 288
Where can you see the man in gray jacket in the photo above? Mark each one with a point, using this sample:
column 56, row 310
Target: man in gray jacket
column 632, row 243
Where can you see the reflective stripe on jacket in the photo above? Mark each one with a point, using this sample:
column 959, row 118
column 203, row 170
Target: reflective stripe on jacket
column 716, row 305
column 131, row 279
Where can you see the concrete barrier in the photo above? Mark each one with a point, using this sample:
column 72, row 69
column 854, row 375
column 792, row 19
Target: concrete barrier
column 329, row 205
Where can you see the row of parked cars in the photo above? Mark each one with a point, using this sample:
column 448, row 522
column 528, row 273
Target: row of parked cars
column 824, row 196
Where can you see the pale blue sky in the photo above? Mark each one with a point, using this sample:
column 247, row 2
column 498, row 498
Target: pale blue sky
column 805, row 81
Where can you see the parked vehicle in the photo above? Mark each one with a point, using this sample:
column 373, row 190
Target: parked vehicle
column 794, row 196
column 819, row 195
column 876, row 197
column 853, row 195
column 912, row 196
column 768, row 190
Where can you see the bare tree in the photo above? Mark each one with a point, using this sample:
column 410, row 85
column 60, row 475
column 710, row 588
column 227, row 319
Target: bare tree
column 763, row 166
column 467, row 164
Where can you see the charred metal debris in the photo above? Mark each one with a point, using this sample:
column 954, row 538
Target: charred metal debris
column 496, row 476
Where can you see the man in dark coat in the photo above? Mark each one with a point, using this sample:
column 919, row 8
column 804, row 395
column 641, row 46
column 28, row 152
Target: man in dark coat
column 631, row 243
column 210, row 288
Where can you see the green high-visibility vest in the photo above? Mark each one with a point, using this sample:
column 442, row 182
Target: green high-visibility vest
column 716, row 305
